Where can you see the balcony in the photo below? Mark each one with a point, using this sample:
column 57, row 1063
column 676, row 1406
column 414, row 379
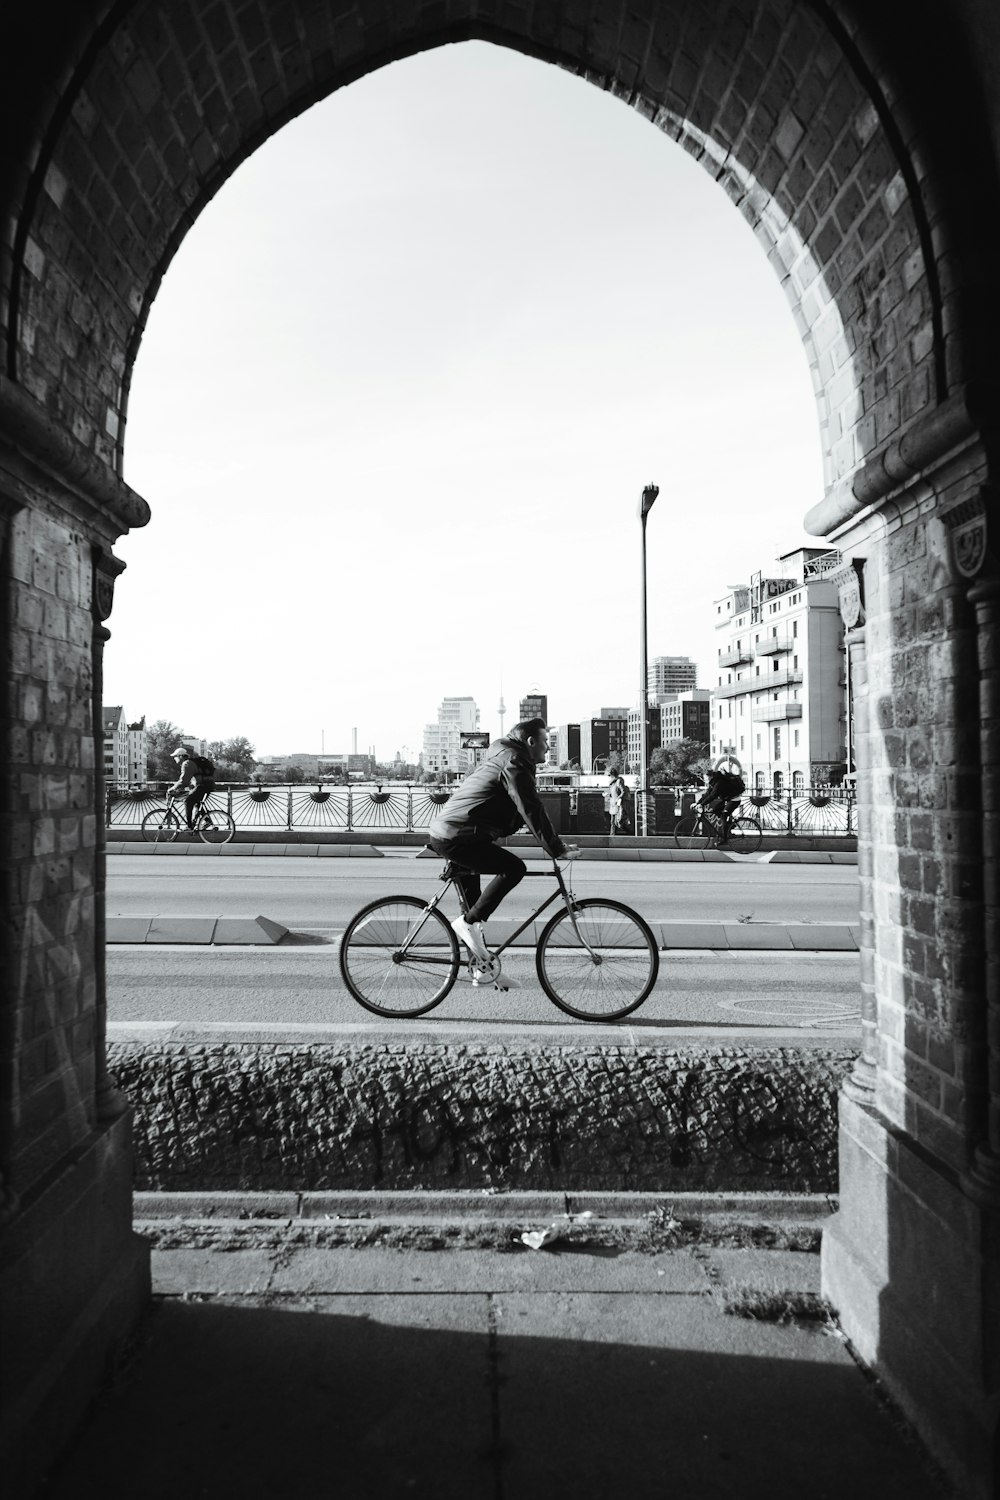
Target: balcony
column 769, row 713
column 759, row 684
column 735, row 656
column 772, row 644
column 735, row 689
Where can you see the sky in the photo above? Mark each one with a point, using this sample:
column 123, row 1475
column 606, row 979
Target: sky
column 399, row 394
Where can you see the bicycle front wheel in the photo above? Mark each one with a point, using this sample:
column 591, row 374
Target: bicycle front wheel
column 744, row 836
column 397, row 958
column 691, row 833
column 160, row 826
column 601, row 968
column 215, row 825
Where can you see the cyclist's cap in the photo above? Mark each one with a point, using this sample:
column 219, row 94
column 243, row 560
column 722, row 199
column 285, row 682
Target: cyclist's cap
column 181, row 753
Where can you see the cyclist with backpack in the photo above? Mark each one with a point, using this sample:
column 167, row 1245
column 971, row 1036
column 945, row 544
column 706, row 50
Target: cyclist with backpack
column 196, row 778
column 721, row 797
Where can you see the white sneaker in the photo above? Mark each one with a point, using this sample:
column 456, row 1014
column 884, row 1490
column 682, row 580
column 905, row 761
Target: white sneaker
column 471, row 934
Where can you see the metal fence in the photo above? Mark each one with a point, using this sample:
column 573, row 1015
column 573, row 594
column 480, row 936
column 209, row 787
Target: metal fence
column 398, row 808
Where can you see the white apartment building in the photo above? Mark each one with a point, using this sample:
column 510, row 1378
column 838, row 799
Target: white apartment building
column 780, row 704
column 125, row 747
column 442, row 750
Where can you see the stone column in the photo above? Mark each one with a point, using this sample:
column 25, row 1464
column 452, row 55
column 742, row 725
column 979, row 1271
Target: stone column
column 967, row 526
column 850, row 582
column 109, row 1101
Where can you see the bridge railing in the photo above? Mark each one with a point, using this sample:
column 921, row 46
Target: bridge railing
column 398, row 807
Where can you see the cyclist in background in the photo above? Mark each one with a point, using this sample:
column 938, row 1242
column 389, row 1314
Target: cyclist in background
column 195, row 780
column 495, row 800
column 721, row 797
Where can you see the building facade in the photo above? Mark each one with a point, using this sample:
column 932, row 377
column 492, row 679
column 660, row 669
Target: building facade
column 686, row 716
column 633, row 752
column 568, row 744
column 534, row 705
column 125, row 748
column 600, row 739
column 780, row 705
column 670, row 674
column 442, row 753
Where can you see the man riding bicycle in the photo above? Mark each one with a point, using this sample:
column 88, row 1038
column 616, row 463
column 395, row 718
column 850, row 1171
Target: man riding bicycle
column 495, row 800
column 721, row 797
column 193, row 780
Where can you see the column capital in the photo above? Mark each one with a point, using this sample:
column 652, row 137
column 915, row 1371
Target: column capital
column 107, row 568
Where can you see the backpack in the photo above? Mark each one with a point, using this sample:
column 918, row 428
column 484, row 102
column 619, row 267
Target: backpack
column 730, row 785
column 204, row 767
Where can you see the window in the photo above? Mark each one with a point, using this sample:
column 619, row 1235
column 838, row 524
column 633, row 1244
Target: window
column 774, row 632
column 779, row 783
column 777, row 744
column 796, row 739
column 795, row 663
column 742, row 743
column 795, row 627
column 798, row 783
column 775, row 665
column 758, row 742
column 759, row 775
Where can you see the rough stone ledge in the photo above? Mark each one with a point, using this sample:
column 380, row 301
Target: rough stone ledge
column 289, row 1117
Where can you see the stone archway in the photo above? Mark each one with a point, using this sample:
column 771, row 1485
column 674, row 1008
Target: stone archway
column 817, row 128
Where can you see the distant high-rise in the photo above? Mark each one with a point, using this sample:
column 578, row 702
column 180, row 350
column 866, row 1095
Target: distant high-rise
column 443, row 741
column 534, row 706
column 501, row 710
column 671, row 674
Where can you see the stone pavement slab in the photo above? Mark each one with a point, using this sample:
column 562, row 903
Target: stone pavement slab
column 433, row 1376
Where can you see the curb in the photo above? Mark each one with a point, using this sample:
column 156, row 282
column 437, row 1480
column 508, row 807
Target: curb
column 218, row 931
column 246, row 851
column 754, row 1208
column 732, row 937
column 527, row 852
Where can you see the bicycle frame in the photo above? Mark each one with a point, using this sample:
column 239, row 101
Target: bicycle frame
column 563, row 891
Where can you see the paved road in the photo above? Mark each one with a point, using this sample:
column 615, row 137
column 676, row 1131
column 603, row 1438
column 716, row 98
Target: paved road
column 320, row 895
column 290, row 988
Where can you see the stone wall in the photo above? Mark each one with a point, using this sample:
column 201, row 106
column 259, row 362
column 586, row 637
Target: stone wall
column 394, row 1116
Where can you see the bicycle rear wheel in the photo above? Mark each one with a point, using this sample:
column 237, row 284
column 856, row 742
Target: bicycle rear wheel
column 160, row 826
column 397, row 958
column 608, row 983
column 744, row 836
column 215, row 825
column 691, row 833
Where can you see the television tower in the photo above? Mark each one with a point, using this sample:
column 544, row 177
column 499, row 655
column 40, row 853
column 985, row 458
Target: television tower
column 502, row 709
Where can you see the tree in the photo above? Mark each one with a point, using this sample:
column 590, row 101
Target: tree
column 161, row 738
column 614, row 762
column 234, row 759
column 679, row 763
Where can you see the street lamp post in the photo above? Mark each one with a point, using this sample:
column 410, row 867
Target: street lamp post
column 646, row 500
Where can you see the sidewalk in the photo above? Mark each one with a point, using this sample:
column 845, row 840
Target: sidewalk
column 442, row 1363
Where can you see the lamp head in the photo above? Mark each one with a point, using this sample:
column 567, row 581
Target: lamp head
column 649, row 494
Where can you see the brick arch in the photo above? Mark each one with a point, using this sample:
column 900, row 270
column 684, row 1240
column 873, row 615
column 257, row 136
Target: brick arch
column 775, row 99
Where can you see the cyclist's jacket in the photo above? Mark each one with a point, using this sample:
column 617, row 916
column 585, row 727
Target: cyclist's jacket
column 496, row 799
column 191, row 778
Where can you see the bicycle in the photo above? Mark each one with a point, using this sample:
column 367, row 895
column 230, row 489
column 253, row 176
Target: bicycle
column 738, row 835
column 596, row 959
column 214, row 825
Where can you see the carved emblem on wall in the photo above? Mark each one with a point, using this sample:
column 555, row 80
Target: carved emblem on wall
column 850, row 581
column 967, row 533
